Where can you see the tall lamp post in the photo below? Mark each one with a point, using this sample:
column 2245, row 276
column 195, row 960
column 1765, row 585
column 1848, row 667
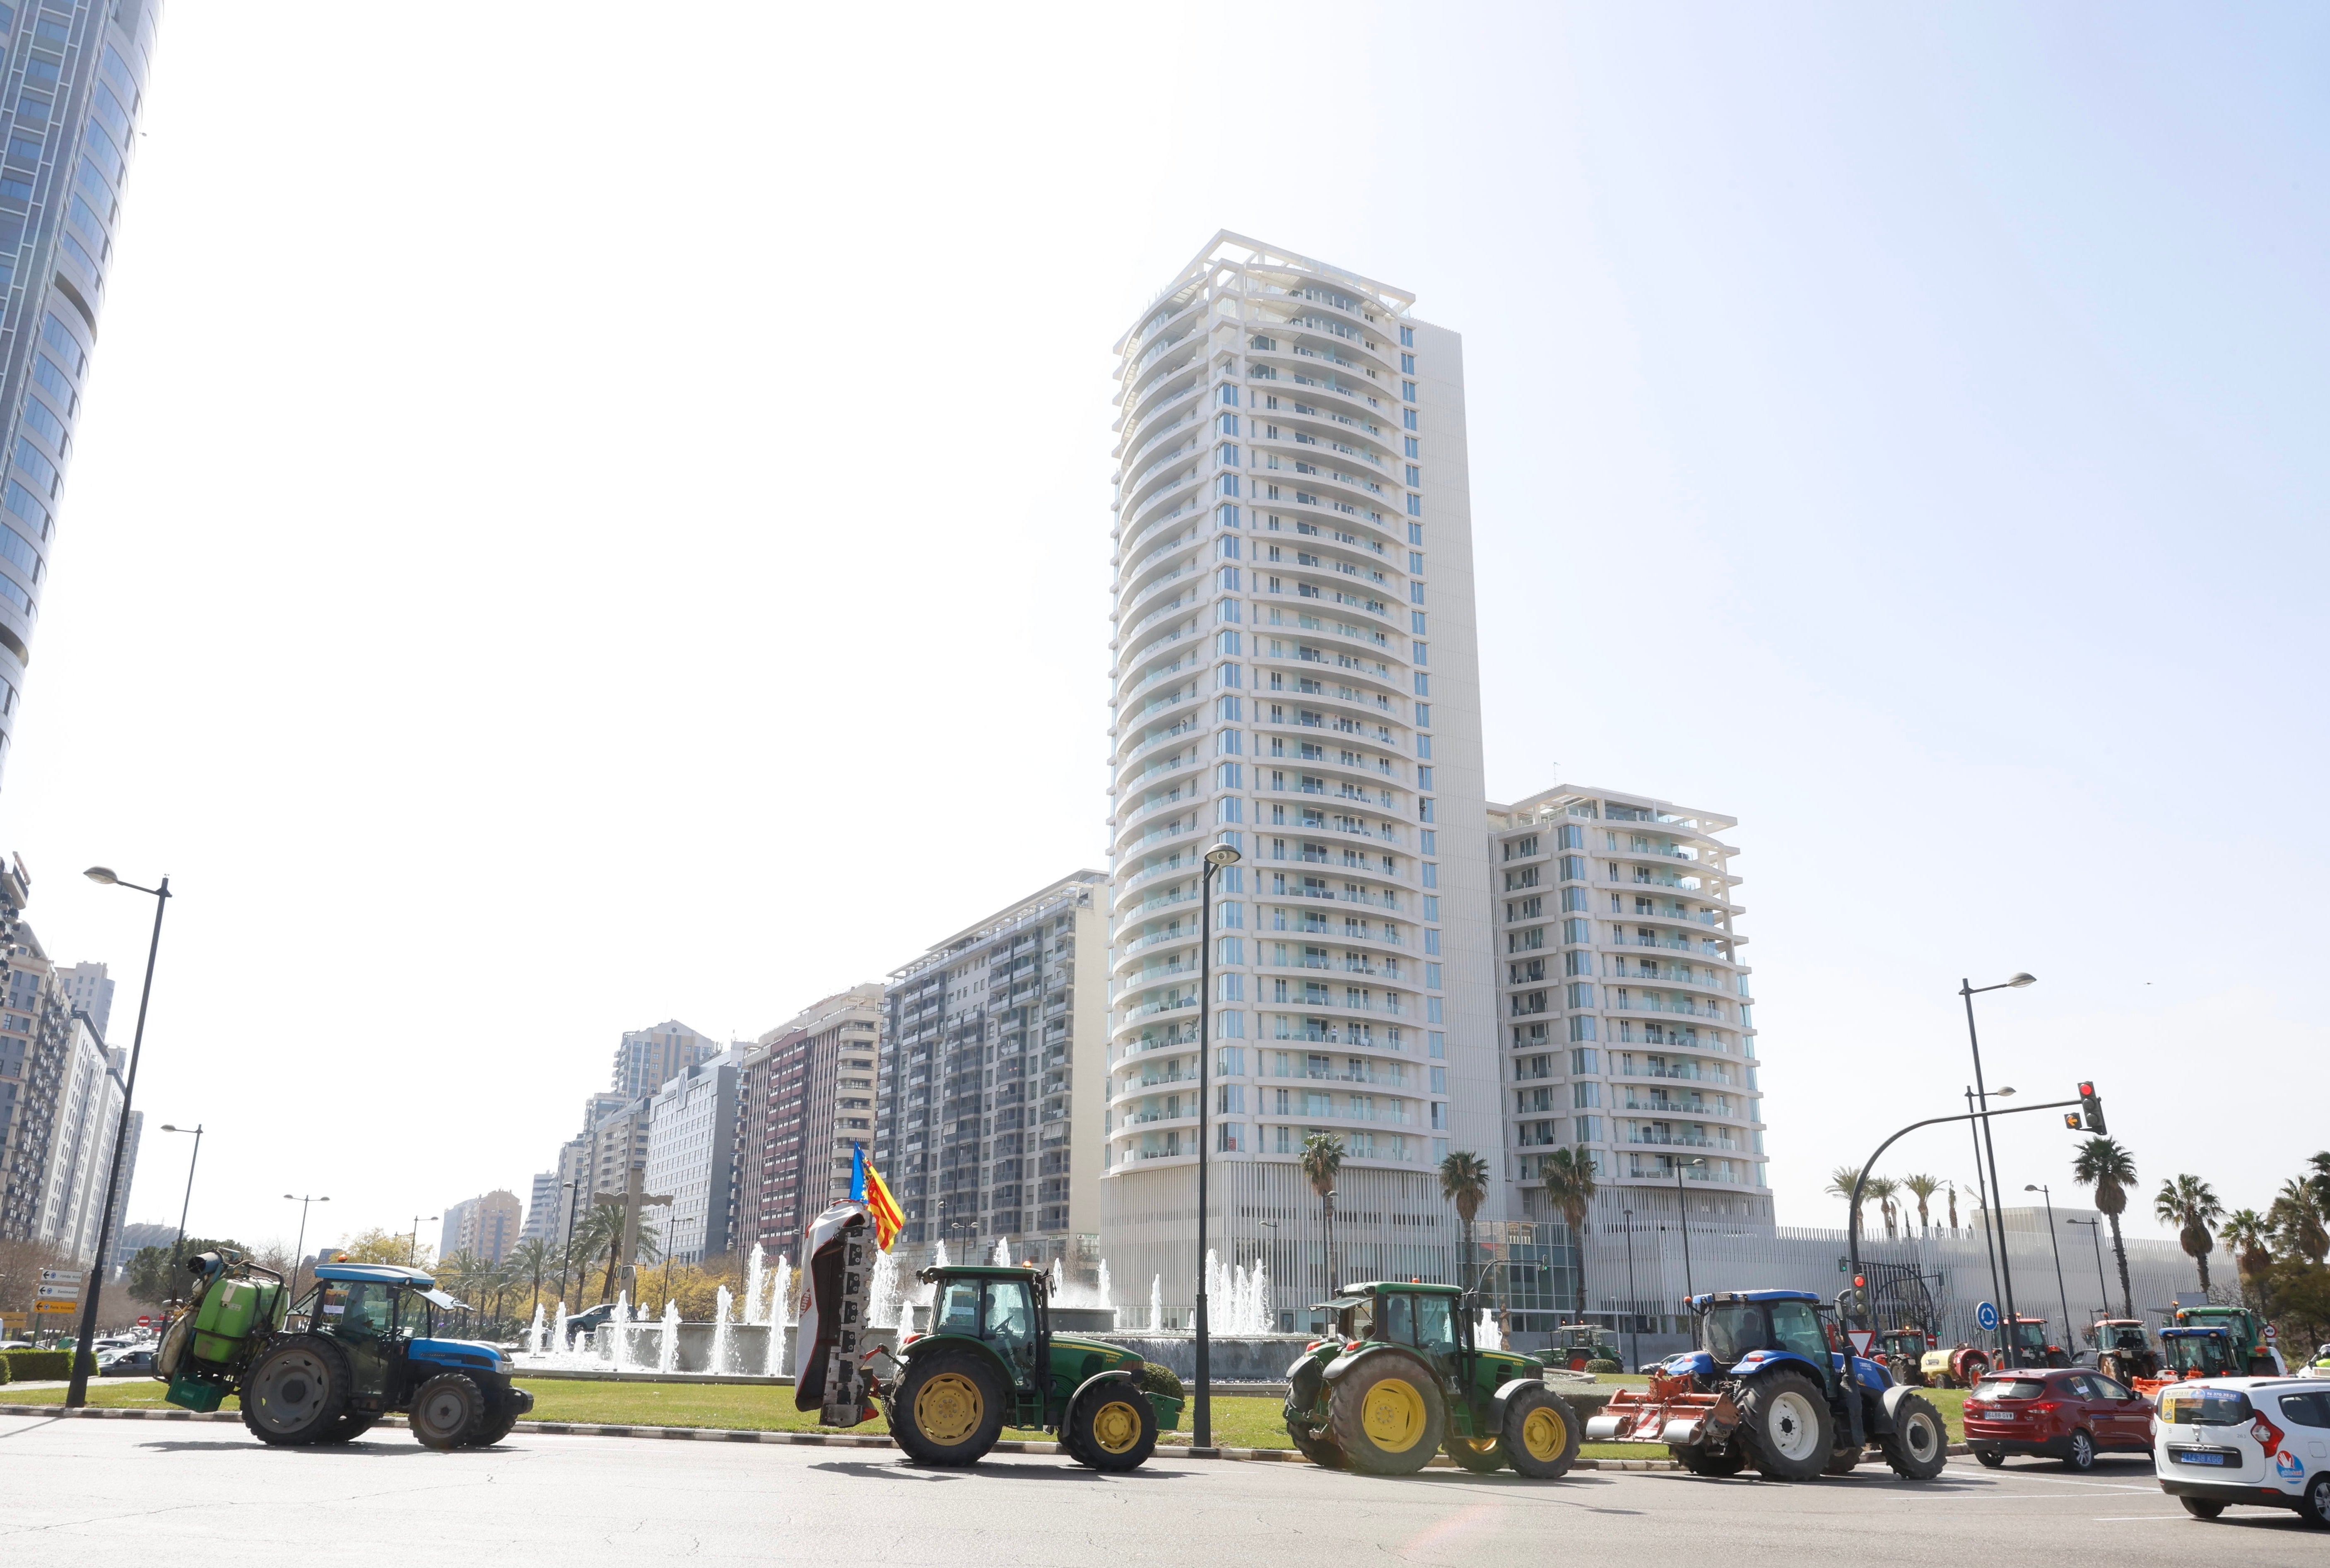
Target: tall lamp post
column 1224, row 852
column 1969, row 991
column 1633, row 1312
column 300, row 1248
column 566, row 1254
column 77, row 1386
column 2094, row 1234
column 2049, row 1198
column 413, row 1247
column 178, row 1247
column 1684, row 1212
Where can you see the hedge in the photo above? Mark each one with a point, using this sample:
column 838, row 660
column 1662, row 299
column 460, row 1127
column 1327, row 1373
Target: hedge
column 38, row 1365
column 5, row 1374
column 1604, row 1366
column 1157, row 1378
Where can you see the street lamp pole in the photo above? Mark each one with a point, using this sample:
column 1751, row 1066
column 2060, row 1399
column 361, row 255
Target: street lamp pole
column 1682, row 1210
column 413, row 1247
column 2065, row 1295
column 178, row 1247
column 299, row 1249
column 2096, row 1234
column 1633, row 1312
column 1224, row 852
column 574, row 1191
column 1969, row 991
column 1982, row 1202
column 77, row 1385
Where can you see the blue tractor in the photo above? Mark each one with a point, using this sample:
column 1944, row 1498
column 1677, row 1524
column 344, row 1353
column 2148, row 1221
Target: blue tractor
column 360, row 1344
column 1774, row 1386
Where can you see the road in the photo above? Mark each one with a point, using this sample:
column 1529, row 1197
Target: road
column 196, row 1495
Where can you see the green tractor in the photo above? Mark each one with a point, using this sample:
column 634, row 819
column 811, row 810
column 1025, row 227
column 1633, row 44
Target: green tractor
column 991, row 1360
column 1575, row 1345
column 1400, row 1378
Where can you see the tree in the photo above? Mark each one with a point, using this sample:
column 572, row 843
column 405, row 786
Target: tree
column 1882, row 1189
column 1323, row 1162
column 378, row 1246
column 2190, row 1204
column 2246, row 1234
column 531, row 1259
column 2320, row 1179
column 1464, row 1182
column 1569, row 1187
column 1954, row 1205
column 2105, row 1164
column 2296, row 1219
column 151, row 1275
column 1922, row 1189
column 1841, row 1183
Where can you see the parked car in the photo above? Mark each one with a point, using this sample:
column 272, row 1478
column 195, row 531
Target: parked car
column 2069, row 1415
column 2261, row 1441
column 125, row 1361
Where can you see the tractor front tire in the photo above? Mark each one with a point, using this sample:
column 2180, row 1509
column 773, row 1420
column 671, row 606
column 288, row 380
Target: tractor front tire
column 1728, row 1460
column 1843, row 1462
column 1785, row 1420
column 1482, row 1455
column 1920, row 1444
column 499, row 1420
column 949, row 1409
column 1318, row 1447
column 1111, row 1429
column 1542, row 1433
column 448, row 1412
column 296, row 1392
column 350, row 1427
column 1387, row 1415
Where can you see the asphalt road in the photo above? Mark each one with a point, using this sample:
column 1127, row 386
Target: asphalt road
column 194, row 1495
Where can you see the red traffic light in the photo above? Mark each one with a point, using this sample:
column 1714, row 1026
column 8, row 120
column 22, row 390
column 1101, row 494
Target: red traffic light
column 2085, row 1090
column 1858, row 1282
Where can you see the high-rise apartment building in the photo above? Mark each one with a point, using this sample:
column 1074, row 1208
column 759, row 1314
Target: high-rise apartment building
column 542, row 1209
column 1296, row 672
column 486, row 1226
column 994, row 1070
column 74, row 88
column 87, row 990
column 692, row 1159
column 806, row 1093
column 1629, row 1026
column 648, row 1059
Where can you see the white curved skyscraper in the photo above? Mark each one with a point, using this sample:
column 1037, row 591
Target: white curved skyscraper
column 1295, row 666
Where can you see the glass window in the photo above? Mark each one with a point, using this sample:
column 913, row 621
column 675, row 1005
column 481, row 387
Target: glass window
column 412, row 1314
column 29, row 459
column 24, row 149
column 1796, row 1327
column 20, row 552
column 2306, row 1409
column 44, row 419
column 367, row 1308
column 1400, row 1318
column 2107, row 1389
column 958, row 1310
column 20, row 502
column 45, row 372
column 2206, row 1407
column 1012, row 1322
column 1435, row 1329
column 59, row 336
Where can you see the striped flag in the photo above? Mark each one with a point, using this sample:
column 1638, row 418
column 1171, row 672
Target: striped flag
column 887, row 1220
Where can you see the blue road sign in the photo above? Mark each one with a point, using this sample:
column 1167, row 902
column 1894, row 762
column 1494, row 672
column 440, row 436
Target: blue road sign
column 1986, row 1315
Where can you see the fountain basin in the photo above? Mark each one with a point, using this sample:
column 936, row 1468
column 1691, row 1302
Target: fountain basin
column 748, row 1347
column 1233, row 1358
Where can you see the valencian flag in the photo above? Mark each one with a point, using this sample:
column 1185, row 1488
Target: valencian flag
column 866, row 1187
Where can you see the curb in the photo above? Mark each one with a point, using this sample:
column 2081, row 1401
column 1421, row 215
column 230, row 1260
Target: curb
column 796, row 1439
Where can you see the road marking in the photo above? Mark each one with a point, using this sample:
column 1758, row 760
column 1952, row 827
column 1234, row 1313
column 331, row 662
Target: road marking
column 2123, row 1518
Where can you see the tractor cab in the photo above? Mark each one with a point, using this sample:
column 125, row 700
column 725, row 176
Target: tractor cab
column 1007, row 1310
column 2200, row 1353
column 2121, row 1334
column 1905, row 1343
column 1576, row 1344
column 385, row 1319
column 2027, row 1344
column 1765, row 1325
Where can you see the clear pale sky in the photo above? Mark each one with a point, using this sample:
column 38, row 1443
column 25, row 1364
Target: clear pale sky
column 579, row 524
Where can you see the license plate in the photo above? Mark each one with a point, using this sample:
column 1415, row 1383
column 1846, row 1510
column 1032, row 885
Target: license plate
column 2201, row 1459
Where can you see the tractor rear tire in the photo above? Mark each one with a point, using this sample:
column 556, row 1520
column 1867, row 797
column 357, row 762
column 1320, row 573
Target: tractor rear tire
column 2110, row 1366
column 296, row 1392
column 350, row 1427
column 1786, row 1422
column 1320, row 1448
column 1729, row 1460
column 1920, row 1445
column 1843, row 1461
column 949, row 1408
column 1482, row 1455
column 1541, row 1433
column 1111, row 1429
column 1387, row 1415
column 448, row 1412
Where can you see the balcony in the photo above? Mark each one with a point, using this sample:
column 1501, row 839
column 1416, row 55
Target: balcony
column 1150, row 1009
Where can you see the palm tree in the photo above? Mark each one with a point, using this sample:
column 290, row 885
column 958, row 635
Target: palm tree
column 1882, row 1189
column 1569, row 1187
column 2105, row 1164
column 1464, row 1182
column 1922, row 1189
column 531, row 1259
column 2296, row 1217
column 2320, row 1180
column 2190, row 1204
column 1841, row 1183
column 1954, row 1204
column 1322, row 1161
column 2246, row 1234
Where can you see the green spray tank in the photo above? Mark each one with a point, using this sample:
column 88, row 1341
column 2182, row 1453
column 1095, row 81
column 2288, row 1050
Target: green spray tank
column 233, row 1304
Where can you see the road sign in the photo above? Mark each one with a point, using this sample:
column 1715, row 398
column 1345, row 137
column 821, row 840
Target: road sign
column 1864, row 1340
column 1986, row 1316
column 56, row 1308
column 57, row 1292
column 2271, row 1333
column 144, row 1323
column 60, row 1276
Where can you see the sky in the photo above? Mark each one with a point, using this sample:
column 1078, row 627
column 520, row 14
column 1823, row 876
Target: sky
column 581, row 523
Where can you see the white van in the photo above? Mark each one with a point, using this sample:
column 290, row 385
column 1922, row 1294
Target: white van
column 2259, row 1440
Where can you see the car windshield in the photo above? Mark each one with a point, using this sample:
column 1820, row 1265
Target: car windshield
column 2206, row 1407
column 2009, row 1388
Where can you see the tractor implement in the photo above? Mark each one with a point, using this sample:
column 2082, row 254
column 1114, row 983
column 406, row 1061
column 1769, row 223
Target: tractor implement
column 1670, row 1410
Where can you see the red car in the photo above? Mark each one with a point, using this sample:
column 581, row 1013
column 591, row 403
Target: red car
column 2069, row 1415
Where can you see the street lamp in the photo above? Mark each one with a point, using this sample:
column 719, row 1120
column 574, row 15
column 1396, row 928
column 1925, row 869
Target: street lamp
column 178, row 1247
column 2065, row 1295
column 1224, row 852
column 300, row 1250
column 1969, row 991
column 1682, row 1209
column 413, row 1247
column 1634, row 1313
column 77, row 1386
column 2096, row 1234
column 566, row 1254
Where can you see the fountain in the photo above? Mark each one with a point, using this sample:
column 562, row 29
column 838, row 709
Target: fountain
column 667, row 1357
column 1488, row 1336
column 1002, row 1259
column 1156, row 1324
column 721, row 1359
column 565, row 1339
column 755, row 1293
column 534, row 1332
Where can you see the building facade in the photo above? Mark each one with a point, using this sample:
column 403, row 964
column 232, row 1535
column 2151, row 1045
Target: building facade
column 74, row 88
column 542, row 1209
column 692, row 1126
column 994, row 1072
column 486, row 1226
column 87, row 987
column 1296, row 673
column 648, row 1059
column 806, row 1093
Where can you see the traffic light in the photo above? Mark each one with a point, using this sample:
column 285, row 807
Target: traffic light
column 2091, row 1108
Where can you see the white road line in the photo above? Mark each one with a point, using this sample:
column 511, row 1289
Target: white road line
column 2123, row 1518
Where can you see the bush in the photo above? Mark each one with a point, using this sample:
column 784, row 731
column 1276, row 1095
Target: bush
column 1155, row 1378
column 5, row 1374
column 38, row 1365
column 1604, row 1366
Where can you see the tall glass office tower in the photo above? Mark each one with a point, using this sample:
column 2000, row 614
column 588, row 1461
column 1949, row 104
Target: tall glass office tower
column 73, row 92
column 1296, row 670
